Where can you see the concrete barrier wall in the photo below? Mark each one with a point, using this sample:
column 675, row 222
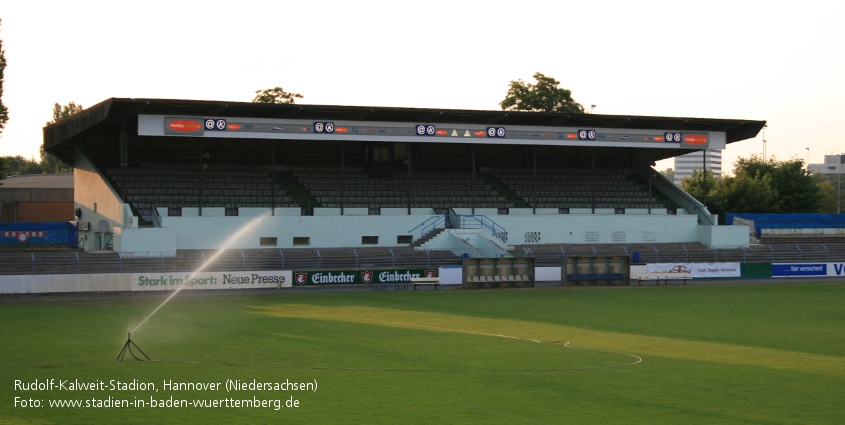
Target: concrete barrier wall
column 118, row 282
column 15, row 284
column 55, row 283
column 137, row 242
column 210, row 280
column 451, row 275
column 547, row 274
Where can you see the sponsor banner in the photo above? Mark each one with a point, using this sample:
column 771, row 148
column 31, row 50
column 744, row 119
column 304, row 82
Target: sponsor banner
column 359, row 277
column 806, row 269
column 210, row 280
column 703, row 270
column 692, row 270
column 668, row 270
column 183, row 126
column 835, row 269
column 307, row 129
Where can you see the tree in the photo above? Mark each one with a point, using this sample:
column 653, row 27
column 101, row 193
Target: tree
column 669, row 173
column 828, row 202
column 49, row 163
column 836, row 183
column 700, row 184
column 276, row 95
column 744, row 194
column 759, row 186
column 797, row 191
column 18, row 165
column 4, row 112
column 61, row 112
column 544, row 96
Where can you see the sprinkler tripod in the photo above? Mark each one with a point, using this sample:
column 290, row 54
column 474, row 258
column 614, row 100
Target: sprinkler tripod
column 128, row 347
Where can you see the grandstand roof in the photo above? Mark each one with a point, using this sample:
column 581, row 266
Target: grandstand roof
column 119, row 112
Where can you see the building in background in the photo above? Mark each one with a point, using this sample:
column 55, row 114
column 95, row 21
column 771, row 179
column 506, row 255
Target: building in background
column 36, row 198
column 686, row 164
column 832, row 165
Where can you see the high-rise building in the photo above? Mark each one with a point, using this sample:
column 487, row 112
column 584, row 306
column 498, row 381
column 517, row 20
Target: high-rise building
column 832, row 165
column 686, row 164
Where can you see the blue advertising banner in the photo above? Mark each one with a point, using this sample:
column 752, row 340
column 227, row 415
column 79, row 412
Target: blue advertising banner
column 835, row 269
column 791, row 221
column 47, row 233
column 786, row 270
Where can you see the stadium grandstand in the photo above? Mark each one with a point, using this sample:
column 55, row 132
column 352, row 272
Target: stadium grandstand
column 160, row 181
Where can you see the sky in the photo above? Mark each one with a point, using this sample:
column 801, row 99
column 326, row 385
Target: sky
column 782, row 62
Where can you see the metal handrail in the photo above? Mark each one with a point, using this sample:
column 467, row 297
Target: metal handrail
column 426, row 222
column 465, row 221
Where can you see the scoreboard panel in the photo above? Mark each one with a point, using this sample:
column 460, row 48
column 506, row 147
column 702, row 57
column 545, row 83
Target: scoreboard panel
column 292, row 129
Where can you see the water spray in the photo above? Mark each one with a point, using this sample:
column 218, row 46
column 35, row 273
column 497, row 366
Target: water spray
column 129, row 343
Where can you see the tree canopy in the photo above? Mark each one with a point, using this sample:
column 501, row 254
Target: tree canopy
column 831, row 190
column 49, row 163
column 700, row 184
column 276, row 95
column 829, row 202
column 759, row 186
column 543, row 96
column 18, row 165
column 4, row 112
column 798, row 191
column 61, row 112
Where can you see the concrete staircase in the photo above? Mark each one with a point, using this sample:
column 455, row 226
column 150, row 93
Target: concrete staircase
column 431, row 235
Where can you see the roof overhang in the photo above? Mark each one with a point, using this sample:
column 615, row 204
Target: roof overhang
column 60, row 137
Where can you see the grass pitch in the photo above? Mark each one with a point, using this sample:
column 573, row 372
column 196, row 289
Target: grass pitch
column 695, row 354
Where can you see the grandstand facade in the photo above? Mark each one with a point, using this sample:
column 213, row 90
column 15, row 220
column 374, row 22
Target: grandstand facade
column 153, row 177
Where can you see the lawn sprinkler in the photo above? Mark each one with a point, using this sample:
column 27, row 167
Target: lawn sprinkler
column 128, row 347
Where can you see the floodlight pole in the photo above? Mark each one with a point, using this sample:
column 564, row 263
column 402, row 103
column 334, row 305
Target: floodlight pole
column 808, row 160
column 273, row 179
column 764, row 150
column 199, row 193
column 704, row 177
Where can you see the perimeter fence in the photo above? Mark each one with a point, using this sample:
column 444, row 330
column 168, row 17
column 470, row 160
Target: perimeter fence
column 82, row 262
column 550, row 255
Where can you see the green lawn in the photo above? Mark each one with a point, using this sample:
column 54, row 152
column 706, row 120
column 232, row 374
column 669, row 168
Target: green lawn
column 711, row 354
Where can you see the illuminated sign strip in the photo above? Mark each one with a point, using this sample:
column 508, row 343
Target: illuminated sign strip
column 221, row 127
